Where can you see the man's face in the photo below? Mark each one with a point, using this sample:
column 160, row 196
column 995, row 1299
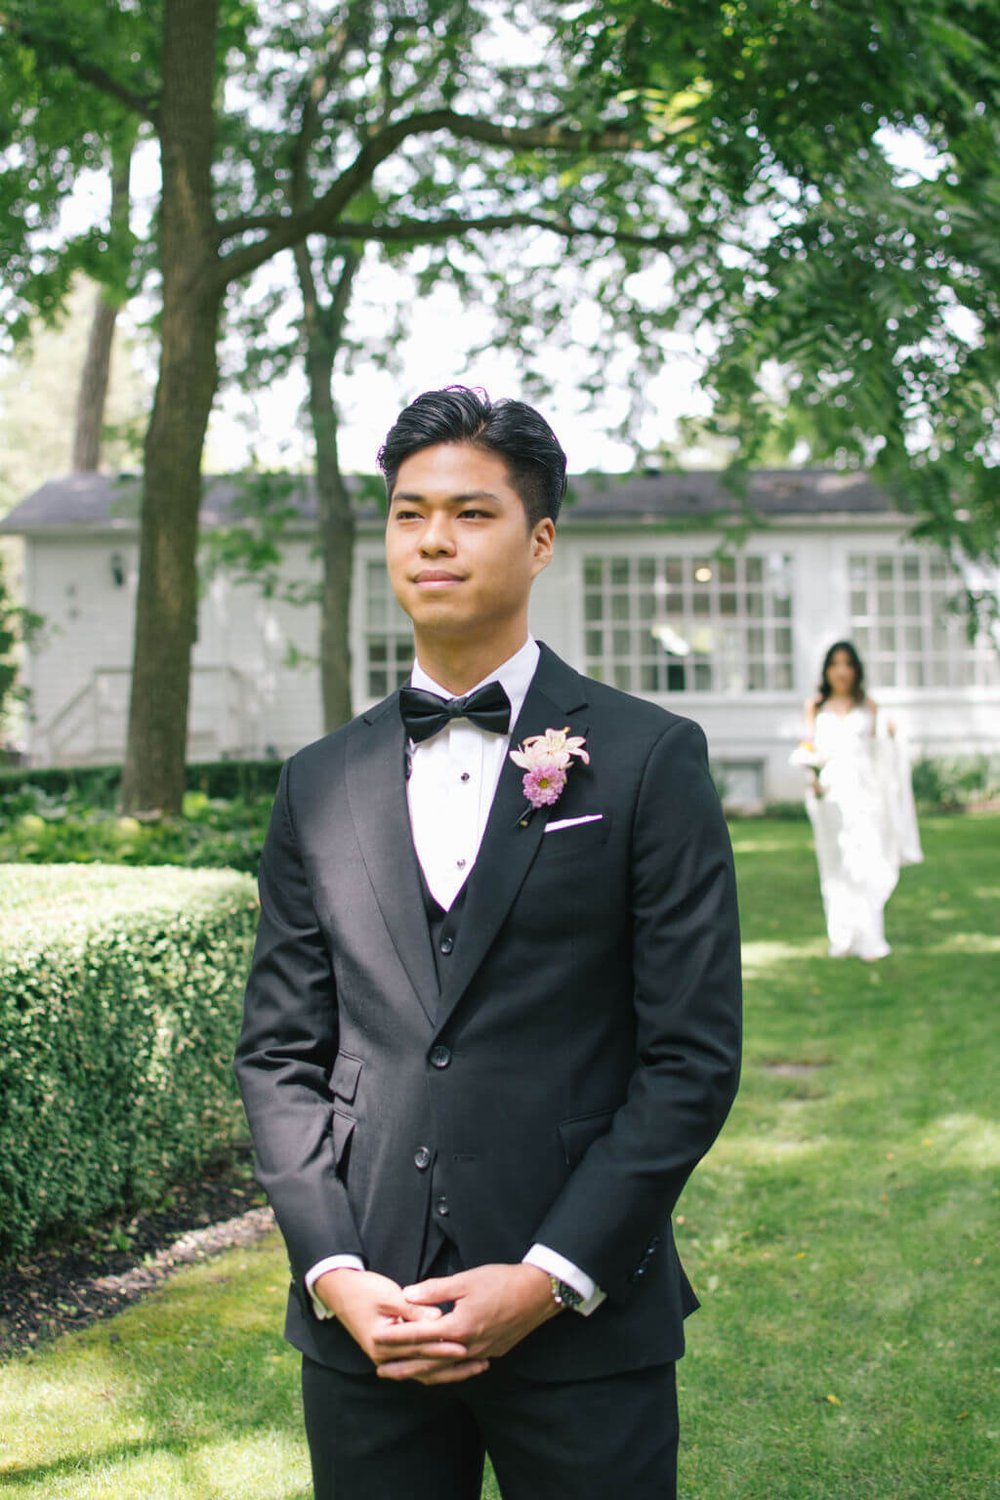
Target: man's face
column 460, row 554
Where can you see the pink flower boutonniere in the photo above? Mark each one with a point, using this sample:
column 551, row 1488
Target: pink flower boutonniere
column 545, row 760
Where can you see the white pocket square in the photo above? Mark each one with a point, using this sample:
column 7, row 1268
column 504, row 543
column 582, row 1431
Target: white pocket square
column 572, row 822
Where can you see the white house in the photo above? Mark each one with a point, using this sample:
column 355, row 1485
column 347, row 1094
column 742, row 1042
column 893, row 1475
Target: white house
column 640, row 594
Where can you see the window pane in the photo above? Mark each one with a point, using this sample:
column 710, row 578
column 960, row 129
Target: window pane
column 674, row 571
column 727, row 604
column 703, row 603
column 783, row 675
column 783, row 641
column 377, row 650
column 859, row 602
column 883, row 567
column 593, row 572
column 857, row 569
column 619, row 570
column 621, row 642
column 378, row 684
column 649, row 678
column 727, row 570
column 620, row 607
column 754, row 569
column 911, row 601
column 702, row 677
column 647, row 570
column 755, row 605
column 594, row 640
column 623, row 677
column 593, row 606
column 675, row 677
column 886, row 603
column 885, row 637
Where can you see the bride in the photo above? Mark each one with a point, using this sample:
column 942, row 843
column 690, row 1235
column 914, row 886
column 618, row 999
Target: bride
column 860, row 802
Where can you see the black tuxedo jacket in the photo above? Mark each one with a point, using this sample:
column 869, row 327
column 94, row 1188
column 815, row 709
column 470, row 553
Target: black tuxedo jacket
column 577, row 1060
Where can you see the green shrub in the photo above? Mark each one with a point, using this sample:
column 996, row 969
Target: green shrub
column 39, row 827
column 119, row 1007
column 949, row 784
column 98, row 785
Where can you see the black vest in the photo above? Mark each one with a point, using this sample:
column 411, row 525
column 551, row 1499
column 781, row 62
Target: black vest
column 440, row 1255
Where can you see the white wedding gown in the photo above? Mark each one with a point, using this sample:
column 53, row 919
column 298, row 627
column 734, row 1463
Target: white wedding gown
column 865, row 826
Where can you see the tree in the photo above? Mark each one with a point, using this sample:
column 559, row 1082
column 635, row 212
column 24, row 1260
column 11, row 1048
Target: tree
column 699, row 138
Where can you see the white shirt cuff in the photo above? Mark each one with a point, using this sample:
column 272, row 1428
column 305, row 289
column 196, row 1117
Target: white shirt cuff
column 331, row 1263
column 555, row 1264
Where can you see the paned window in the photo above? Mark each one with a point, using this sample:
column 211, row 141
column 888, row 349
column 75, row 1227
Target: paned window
column 388, row 638
column 905, row 632
column 675, row 624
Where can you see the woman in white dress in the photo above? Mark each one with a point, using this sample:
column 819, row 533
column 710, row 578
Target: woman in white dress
column 860, row 803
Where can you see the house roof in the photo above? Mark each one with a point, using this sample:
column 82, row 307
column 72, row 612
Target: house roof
column 100, row 502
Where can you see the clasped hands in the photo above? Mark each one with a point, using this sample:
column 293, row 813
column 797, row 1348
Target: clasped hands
column 407, row 1336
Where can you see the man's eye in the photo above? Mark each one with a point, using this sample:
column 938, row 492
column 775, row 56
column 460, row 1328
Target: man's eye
column 471, row 511
column 406, row 515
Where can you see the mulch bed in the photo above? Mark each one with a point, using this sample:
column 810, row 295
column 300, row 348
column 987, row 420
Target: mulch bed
column 68, row 1286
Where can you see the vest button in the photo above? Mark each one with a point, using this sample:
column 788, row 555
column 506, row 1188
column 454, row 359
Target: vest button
column 447, row 944
column 441, row 1208
column 440, row 1057
column 421, row 1159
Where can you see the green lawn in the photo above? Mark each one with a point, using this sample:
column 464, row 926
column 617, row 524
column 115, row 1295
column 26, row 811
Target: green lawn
column 842, row 1237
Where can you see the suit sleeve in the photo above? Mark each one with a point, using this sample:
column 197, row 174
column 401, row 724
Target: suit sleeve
column 686, row 962
column 285, row 1055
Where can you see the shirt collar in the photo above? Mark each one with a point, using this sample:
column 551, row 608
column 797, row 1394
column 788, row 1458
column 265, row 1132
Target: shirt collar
column 514, row 676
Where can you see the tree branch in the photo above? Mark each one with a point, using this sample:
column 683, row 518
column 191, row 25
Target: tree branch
column 86, row 70
column 422, row 231
column 323, row 216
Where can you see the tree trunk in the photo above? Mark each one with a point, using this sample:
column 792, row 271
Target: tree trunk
column 166, row 607
column 96, row 373
column 324, row 328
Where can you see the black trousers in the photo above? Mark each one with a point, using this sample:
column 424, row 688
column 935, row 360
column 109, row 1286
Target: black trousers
column 373, row 1439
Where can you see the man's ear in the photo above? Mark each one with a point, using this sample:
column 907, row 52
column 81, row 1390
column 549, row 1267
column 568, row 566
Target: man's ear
column 543, row 537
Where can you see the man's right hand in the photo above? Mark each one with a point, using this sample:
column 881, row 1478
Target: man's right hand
column 367, row 1303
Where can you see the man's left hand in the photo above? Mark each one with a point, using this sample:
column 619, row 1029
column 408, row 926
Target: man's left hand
column 495, row 1307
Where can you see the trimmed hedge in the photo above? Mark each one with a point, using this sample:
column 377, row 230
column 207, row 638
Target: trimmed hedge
column 120, row 994
column 99, row 784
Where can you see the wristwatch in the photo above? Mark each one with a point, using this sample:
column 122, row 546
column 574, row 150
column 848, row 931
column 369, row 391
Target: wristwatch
column 564, row 1295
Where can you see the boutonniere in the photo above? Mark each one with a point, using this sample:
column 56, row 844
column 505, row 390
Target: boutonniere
column 545, row 759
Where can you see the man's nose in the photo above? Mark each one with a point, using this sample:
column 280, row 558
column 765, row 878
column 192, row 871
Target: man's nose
column 437, row 538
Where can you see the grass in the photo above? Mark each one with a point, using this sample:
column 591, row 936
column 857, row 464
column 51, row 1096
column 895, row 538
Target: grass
column 842, row 1236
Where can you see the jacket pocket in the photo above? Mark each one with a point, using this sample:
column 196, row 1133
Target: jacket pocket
column 580, row 1133
column 345, row 1075
column 342, row 1129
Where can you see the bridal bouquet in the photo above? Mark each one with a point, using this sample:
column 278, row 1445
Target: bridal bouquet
column 807, row 756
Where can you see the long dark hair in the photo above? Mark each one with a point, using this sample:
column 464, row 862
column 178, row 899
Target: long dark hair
column 512, row 430
column 855, row 661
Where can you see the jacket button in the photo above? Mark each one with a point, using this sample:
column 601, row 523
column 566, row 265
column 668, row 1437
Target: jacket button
column 447, row 944
column 440, row 1057
column 422, row 1159
column 441, row 1208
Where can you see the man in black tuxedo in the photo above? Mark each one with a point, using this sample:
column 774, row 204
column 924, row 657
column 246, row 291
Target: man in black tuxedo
column 492, row 1021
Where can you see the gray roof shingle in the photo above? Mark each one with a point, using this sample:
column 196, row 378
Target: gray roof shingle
column 102, row 501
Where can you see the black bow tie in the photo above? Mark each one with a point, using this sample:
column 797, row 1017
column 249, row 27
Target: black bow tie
column 425, row 714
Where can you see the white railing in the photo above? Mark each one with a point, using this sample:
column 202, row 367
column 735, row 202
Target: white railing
column 91, row 727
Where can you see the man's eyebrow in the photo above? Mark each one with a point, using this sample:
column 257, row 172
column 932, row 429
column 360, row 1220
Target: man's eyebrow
column 414, row 498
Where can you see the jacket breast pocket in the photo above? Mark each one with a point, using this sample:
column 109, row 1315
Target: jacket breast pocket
column 580, row 841
column 578, row 1134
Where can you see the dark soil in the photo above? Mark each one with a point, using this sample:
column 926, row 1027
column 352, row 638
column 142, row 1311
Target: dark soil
column 105, row 1269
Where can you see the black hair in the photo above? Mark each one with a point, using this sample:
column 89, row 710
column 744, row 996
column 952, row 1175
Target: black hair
column 514, row 431
column 855, row 661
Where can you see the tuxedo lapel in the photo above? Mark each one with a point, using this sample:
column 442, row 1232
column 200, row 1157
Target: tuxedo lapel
column 556, row 697
column 376, row 792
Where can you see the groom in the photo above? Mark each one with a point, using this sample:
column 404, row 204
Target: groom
column 492, row 1021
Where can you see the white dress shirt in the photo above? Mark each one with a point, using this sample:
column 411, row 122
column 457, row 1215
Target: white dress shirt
column 453, row 780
